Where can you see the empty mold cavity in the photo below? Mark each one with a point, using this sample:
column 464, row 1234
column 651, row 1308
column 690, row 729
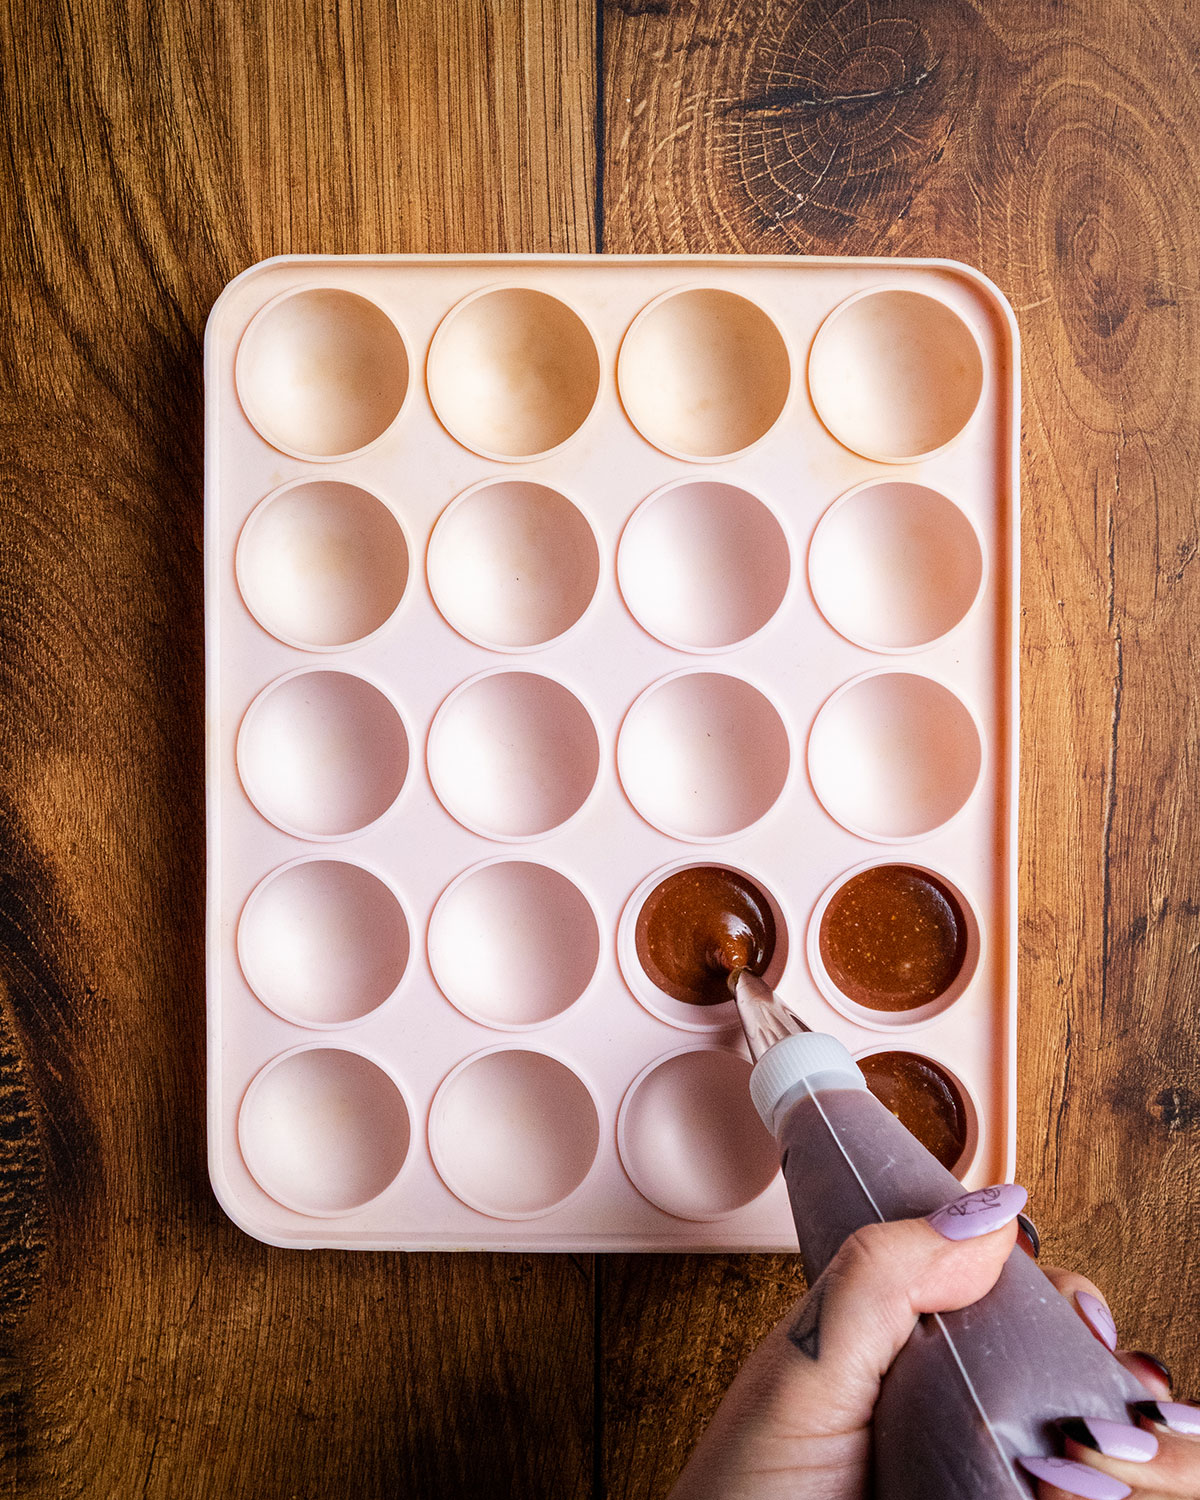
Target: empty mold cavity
column 703, row 373
column 488, row 948
column 322, row 373
column 929, row 1099
column 322, row 564
column 513, row 1133
column 703, row 566
column 323, row 942
column 894, row 755
column 513, row 373
column 323, row 1130
column 683, row 1013
column 892, row 944
column 513, row 755
column 895, row 375
column 690, row 1138
column 322, row 754
column 702, row 755
column 513, row 565
column 895, row 566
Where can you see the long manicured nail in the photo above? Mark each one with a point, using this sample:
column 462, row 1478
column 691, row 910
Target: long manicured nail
column 979, row 1212
column 1113, row 1439
column 1076, row 1479
column 1177, row 1415
column 1098, row 1318
column 1155, row 1364
column 1029, row 1229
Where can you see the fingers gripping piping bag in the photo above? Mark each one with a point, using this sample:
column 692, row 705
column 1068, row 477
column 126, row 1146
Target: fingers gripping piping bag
column 971, row 1389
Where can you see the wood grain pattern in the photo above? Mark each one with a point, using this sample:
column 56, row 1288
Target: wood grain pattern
column 147, row 1347
column 1057, row 148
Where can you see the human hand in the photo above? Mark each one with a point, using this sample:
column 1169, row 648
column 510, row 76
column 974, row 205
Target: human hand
column 797, row 1420
column 1155, row 1455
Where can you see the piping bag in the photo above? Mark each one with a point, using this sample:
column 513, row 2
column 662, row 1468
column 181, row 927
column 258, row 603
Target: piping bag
column 973, row 1389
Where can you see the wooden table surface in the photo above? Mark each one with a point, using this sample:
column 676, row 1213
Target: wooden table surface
column 149, row 1348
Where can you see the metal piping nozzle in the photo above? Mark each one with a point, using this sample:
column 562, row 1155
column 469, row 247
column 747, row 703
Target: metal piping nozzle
column 764, row 1017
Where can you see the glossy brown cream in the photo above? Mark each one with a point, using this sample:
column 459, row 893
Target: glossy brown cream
column 893, row 938
column 699, row 925
column 923, row 1097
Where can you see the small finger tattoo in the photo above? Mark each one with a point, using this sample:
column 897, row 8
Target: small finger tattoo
column 805, row 1332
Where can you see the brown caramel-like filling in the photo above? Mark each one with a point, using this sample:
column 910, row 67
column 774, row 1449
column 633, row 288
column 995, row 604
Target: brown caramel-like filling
column 923, row 1097
column 699, row 925
column 893, row 938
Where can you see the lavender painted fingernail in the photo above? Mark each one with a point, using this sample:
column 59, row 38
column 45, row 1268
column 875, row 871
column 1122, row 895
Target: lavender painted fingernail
column 1114, row 1439
column 979, row 1212
column 1177, row 1415
column 1098, row 1318
column 1076, row 1479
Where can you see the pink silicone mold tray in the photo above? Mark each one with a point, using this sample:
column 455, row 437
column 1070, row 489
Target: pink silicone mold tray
column 530, row 579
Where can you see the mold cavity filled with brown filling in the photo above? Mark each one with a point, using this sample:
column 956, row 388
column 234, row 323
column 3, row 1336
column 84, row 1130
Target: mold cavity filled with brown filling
column 893, row 938
column 699, row 925
column 923, row 1097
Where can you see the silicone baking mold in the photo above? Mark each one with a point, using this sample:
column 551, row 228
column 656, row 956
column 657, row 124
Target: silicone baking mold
column 530, row 580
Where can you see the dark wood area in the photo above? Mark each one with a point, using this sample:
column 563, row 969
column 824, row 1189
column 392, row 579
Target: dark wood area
column 146, row 1346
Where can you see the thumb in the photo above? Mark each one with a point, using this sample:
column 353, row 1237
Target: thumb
column 838, row 1344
